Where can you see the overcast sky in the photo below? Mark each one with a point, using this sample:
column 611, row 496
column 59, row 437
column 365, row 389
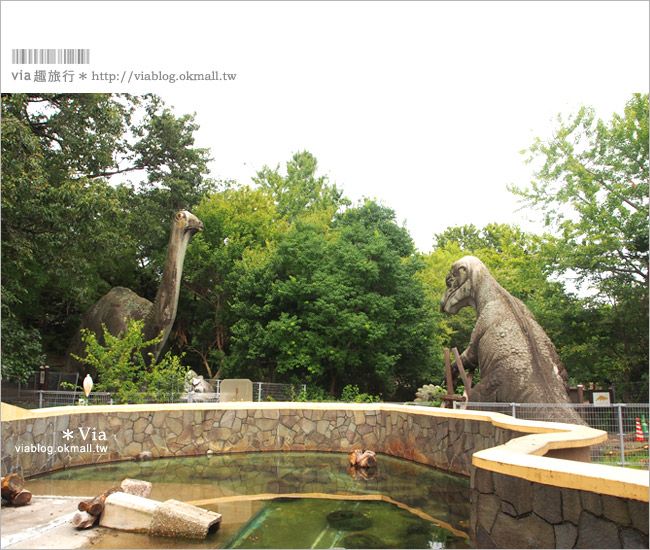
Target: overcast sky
column 424, row 106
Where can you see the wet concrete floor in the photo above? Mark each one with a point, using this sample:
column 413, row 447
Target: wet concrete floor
column 45, row 523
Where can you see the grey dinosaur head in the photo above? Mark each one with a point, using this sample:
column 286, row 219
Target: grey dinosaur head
column 460, row 288
column 187, row 222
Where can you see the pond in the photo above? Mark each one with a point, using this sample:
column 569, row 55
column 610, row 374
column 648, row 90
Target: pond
column 290, row 500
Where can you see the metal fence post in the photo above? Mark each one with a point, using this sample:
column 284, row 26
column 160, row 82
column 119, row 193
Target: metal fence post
column 259, row 392
column 40, row 399
column 514, row 409
column 621, row 432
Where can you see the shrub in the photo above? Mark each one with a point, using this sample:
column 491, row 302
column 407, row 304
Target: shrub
column 122, row 369
column 351, row 394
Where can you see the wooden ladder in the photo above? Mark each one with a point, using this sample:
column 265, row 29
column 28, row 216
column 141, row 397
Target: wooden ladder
column 447, row 400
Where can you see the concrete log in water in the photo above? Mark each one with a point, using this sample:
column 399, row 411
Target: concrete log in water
column 136, row 487
column 179, row 519
column 171, row 518
column 128, row 512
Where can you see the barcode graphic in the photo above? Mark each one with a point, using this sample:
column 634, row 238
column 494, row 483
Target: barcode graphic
column 51, row 56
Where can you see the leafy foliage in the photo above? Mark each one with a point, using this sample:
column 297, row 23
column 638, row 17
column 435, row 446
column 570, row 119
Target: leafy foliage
column 22, row 349
column 238, row 221
column 121, row 367
column 593, row 190
column 300, row 190
column 351, row 394
column 334, row 305
column 592, row 187
column 68, row 236
column 291, row 282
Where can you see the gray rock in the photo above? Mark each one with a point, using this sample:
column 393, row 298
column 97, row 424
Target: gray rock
column 528, row 532
column 633, row 539
column 547, row 503
column 565, row 535
column 594, row 532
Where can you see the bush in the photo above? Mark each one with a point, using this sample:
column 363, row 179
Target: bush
column 351, row 394
column 122, row 369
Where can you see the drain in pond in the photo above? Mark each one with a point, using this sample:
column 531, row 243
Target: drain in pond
column 348, row 520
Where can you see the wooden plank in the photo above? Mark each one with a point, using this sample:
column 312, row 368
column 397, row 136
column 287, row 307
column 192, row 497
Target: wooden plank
column 466, row 380
column 450, row 378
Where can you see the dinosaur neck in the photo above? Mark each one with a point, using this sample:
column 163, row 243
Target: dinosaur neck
column 486, row 289
column 163, row 312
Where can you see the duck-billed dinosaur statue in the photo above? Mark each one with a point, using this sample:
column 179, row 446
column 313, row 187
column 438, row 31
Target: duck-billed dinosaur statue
column 120, row 304
column 517, row 360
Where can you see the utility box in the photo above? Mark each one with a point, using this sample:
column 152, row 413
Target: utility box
column 235, row 389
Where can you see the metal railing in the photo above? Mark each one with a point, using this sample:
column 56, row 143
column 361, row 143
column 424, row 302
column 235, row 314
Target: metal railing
column 624, row 446
column 34, row 398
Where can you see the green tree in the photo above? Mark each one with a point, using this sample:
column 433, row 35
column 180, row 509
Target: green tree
column 300, row 190
column 176, row 175
column 54, row 217
column 68, row 236
column 592, row 187
column 122, row 369
column 336, row 305
column 238, row 221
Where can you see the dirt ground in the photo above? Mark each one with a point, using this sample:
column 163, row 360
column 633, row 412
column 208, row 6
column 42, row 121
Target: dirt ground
column 44, row 523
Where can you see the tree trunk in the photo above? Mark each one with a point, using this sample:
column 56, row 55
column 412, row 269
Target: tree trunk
column 95, row 506
column 362, row 459
column 13, row 491
column 83, row 520
column 22, row 498
column 12, row 485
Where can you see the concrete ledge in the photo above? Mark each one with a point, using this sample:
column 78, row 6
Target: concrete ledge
column 128, row 512
column 597, row 478
column 400, row 430
column 11, row 412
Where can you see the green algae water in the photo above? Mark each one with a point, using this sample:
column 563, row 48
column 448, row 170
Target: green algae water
column 318, row 523
column 289, row 500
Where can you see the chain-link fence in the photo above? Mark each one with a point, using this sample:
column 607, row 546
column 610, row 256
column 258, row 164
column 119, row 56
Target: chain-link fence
column 24, row 395
column 625, row 424
column 44, row 380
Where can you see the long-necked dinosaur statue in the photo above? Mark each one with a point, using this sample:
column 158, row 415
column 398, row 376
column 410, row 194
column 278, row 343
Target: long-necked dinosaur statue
column 120, row 304
column 516, row 359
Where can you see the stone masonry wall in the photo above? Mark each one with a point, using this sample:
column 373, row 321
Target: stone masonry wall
column 509, row 512
column 51, row 443
column 506, row 511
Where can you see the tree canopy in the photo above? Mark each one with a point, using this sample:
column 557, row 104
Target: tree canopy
column 336, row 305
column 68, row 233
column 592, row 188
column 292, row 282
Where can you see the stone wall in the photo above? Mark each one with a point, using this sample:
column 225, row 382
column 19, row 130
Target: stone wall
column 510, row 512
column 517, row 501
column 47, row 443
